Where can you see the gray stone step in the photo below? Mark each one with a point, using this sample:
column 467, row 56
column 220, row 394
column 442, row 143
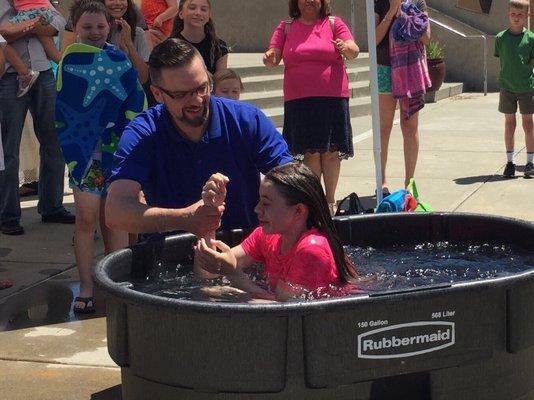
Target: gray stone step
column 256, row 67
column 448, row 89
column 275, row 98
column 260, row 83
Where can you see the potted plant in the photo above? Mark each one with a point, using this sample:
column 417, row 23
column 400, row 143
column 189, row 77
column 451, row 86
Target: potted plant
column 435, row 57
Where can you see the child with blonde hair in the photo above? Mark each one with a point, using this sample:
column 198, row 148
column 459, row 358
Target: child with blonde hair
column 227, row 83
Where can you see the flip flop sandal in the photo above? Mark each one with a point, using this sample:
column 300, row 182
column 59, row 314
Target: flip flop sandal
column 87, row 309
column 5, row 284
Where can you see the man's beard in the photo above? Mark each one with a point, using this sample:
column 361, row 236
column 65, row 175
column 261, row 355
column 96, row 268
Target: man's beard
column 197, row 121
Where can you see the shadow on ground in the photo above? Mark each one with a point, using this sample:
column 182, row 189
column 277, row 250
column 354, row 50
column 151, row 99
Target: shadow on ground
column 113, row 393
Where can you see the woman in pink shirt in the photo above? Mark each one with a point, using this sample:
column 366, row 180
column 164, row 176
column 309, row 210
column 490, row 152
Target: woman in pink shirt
column 296, row 241
column 316, row 90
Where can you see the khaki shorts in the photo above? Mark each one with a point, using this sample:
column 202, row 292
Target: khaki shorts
column 508, row 102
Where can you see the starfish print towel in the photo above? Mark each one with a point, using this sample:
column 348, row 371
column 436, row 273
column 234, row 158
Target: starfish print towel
column 98, row 93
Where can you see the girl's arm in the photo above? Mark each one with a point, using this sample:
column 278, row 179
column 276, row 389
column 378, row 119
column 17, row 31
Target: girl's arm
column 382, row 27
column 426, row 37
column 230, row 262
column 67, row 39
column 127, row 45
column 222, row 63
column 170, row 12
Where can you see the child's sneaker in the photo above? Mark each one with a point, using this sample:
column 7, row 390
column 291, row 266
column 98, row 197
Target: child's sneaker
column 26, row 82
column 529, row 170
column 509, row 170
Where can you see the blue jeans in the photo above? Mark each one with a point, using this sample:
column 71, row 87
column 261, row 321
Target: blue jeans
column 41, row 101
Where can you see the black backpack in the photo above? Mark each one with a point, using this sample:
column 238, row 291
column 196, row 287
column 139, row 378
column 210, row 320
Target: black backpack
column 352, row 205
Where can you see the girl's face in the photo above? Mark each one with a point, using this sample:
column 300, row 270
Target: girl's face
column 92, row 29
column 309, row 7
column 274, row 214
column 229, row 88
column 117, row 8
column 195, row 13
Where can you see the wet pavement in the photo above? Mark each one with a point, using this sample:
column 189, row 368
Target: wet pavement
column 47, row 352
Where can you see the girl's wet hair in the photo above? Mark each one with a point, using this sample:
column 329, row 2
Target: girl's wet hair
column 209, row 30
column 224, row 75
column 294, row 12
column 296, row 183
column 81, row 7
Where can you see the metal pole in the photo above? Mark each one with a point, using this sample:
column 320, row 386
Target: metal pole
column 377, row 145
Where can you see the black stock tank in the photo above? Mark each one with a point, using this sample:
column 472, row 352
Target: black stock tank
column 466, row 340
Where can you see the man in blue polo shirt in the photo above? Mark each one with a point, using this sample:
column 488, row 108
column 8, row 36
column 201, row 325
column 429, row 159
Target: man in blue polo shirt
column 171, row 150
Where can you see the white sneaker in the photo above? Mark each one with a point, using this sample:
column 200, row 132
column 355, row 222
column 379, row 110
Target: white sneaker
column 26, row 82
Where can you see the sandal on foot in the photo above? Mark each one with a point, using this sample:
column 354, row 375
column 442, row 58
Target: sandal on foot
column 89, row 305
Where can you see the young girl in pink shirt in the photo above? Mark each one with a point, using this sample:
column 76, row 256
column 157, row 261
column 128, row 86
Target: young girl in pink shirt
column 29, row 10
column 296, row 241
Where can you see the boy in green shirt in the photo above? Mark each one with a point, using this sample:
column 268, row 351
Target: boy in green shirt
column 515, row 49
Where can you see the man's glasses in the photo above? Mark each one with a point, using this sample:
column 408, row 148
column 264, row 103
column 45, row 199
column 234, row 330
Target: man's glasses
column 202, row 90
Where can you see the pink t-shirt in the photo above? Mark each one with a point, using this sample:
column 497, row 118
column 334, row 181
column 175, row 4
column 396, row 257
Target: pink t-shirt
column 313, row 66
column 22, row 5
column 309, row 263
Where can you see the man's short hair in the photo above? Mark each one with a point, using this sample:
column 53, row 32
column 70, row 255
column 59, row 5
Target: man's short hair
column 171, row 53
column 525, row 4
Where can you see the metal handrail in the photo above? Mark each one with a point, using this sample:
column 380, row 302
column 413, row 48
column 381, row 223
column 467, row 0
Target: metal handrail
column 485, row 48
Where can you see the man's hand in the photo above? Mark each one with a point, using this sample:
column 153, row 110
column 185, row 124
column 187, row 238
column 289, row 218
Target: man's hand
column 13, row 31
column 203, row 219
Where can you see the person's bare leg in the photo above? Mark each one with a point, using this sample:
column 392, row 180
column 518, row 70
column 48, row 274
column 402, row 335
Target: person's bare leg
column 113, row 239
column 410, row 135
column 528, row 127
column 313, row 162
column 331, row 166
column 509, row 131
column 16, row 62
column 87, row 211
column 387, row 106
column 50, row 48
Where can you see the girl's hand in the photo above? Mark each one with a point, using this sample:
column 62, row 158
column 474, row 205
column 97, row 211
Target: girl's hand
column 158, row 22
column 214, row 191
column 270, row 58
column 222, row 263
column 157, row 36
column 125, row 32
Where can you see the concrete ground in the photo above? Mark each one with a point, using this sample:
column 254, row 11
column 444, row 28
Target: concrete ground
column 48, row 353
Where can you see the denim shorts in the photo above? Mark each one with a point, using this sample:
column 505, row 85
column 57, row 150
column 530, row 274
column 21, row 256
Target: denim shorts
column 93, row 182
column 26, row 15
column 384, row 79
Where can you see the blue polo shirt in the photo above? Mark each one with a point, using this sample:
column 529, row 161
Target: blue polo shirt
column 240, row 142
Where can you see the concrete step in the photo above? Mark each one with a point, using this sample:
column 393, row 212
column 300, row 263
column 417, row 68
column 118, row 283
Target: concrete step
column 275, row 98
column 263, row 83
column 358, row 107
column 255, row 66
column 448, row 89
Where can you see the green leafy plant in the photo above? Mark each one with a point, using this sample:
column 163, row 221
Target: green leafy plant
column 435, row 51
